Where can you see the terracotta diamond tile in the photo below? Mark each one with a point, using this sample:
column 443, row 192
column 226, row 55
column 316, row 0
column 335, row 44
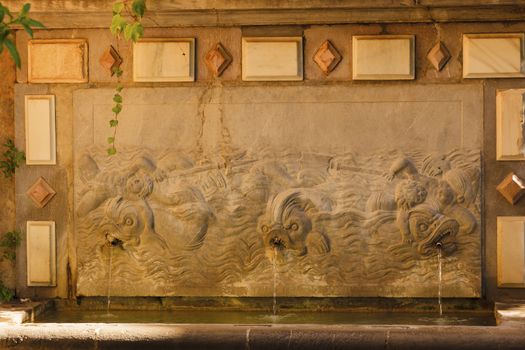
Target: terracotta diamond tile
column 218, row 59
column 512, row 188
column 110, row 60
column 40, row 192
column 439, row 56
column 327, row 57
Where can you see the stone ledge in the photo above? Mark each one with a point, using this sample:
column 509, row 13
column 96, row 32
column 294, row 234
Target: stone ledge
column 18, row 313
column 163, row 336
column 164, row 13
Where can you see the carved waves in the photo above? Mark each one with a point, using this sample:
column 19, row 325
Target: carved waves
column 356, row 225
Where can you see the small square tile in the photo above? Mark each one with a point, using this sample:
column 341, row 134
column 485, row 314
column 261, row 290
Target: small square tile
column 40, row 192
column 439, row 56
column 512, row 188
column 110, row 60
column 218, row 59
column 327, row 57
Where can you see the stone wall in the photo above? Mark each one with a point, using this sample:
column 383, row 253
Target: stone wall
column 335, row 87
column 7, row 213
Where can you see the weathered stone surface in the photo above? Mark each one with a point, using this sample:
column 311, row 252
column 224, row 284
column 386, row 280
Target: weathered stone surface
column 7, row 185
column 232, row 193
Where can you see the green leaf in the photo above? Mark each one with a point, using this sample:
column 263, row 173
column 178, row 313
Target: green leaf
column 118, row 7
column 111, row 140
column 13, row 51
column 119, row 88
column 25, row 10
column 27, row 29
column 117, row 109
column 138, row 7
column 112, row 151
column 134, row 32
column 113, row 123
column 117, row 98
column 34, row 23
column 118, row 24
column 2, row 14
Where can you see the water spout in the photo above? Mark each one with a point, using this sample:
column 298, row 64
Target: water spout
column 274, row 262
column 109, row 277
column 439, row 247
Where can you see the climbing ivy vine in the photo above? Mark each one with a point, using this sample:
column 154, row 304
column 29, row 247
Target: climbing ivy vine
column 7, row 34
column 12, row 158
column 127, row 23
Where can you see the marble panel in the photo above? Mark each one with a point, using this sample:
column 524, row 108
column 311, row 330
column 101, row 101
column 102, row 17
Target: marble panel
column 272, row 58
column 493, row 55
column 57, row 61
column 383, row 57
column 511, row 251
column 157, row 60
column 41, row 253
column 40, row 129
column 509, row 124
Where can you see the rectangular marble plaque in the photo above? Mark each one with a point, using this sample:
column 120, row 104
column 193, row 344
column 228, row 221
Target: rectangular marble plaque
column 157, row 60
column 58, row 61
column 511, row 251
column 41, row 254
column 493, row 55
column 40, row 129
column 383, row 57
column 273, row 58
column 509, row 124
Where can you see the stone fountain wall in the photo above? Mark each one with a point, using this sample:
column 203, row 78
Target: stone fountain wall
column 347, row 190
column 215, row 173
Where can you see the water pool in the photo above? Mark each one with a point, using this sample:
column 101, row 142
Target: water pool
column 261, row 317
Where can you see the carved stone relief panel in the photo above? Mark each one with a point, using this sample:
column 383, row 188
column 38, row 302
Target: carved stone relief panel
column 213, row 212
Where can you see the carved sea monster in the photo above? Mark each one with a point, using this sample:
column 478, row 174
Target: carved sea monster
column 291, row 223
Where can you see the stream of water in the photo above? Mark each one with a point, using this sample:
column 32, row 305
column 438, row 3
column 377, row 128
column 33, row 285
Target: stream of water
column 109, row 280
column 274, row 308
column 440, row 280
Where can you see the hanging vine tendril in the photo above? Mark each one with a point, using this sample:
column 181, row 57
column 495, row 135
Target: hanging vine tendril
column 132, row 30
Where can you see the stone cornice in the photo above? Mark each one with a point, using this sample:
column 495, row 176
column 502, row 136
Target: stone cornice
column 175, row 13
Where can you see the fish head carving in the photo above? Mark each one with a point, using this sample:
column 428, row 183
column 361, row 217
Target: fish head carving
column 432, row 229
column 289, row 219
column 126, row 221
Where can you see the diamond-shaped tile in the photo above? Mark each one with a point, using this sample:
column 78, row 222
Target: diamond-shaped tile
column 512, row 188
column 218, row 59
column 439, row 56
column 327, row 57
column 110, row 60
column 40, row 192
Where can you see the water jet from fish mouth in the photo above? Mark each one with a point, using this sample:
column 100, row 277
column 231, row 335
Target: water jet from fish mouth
column 277, row 243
